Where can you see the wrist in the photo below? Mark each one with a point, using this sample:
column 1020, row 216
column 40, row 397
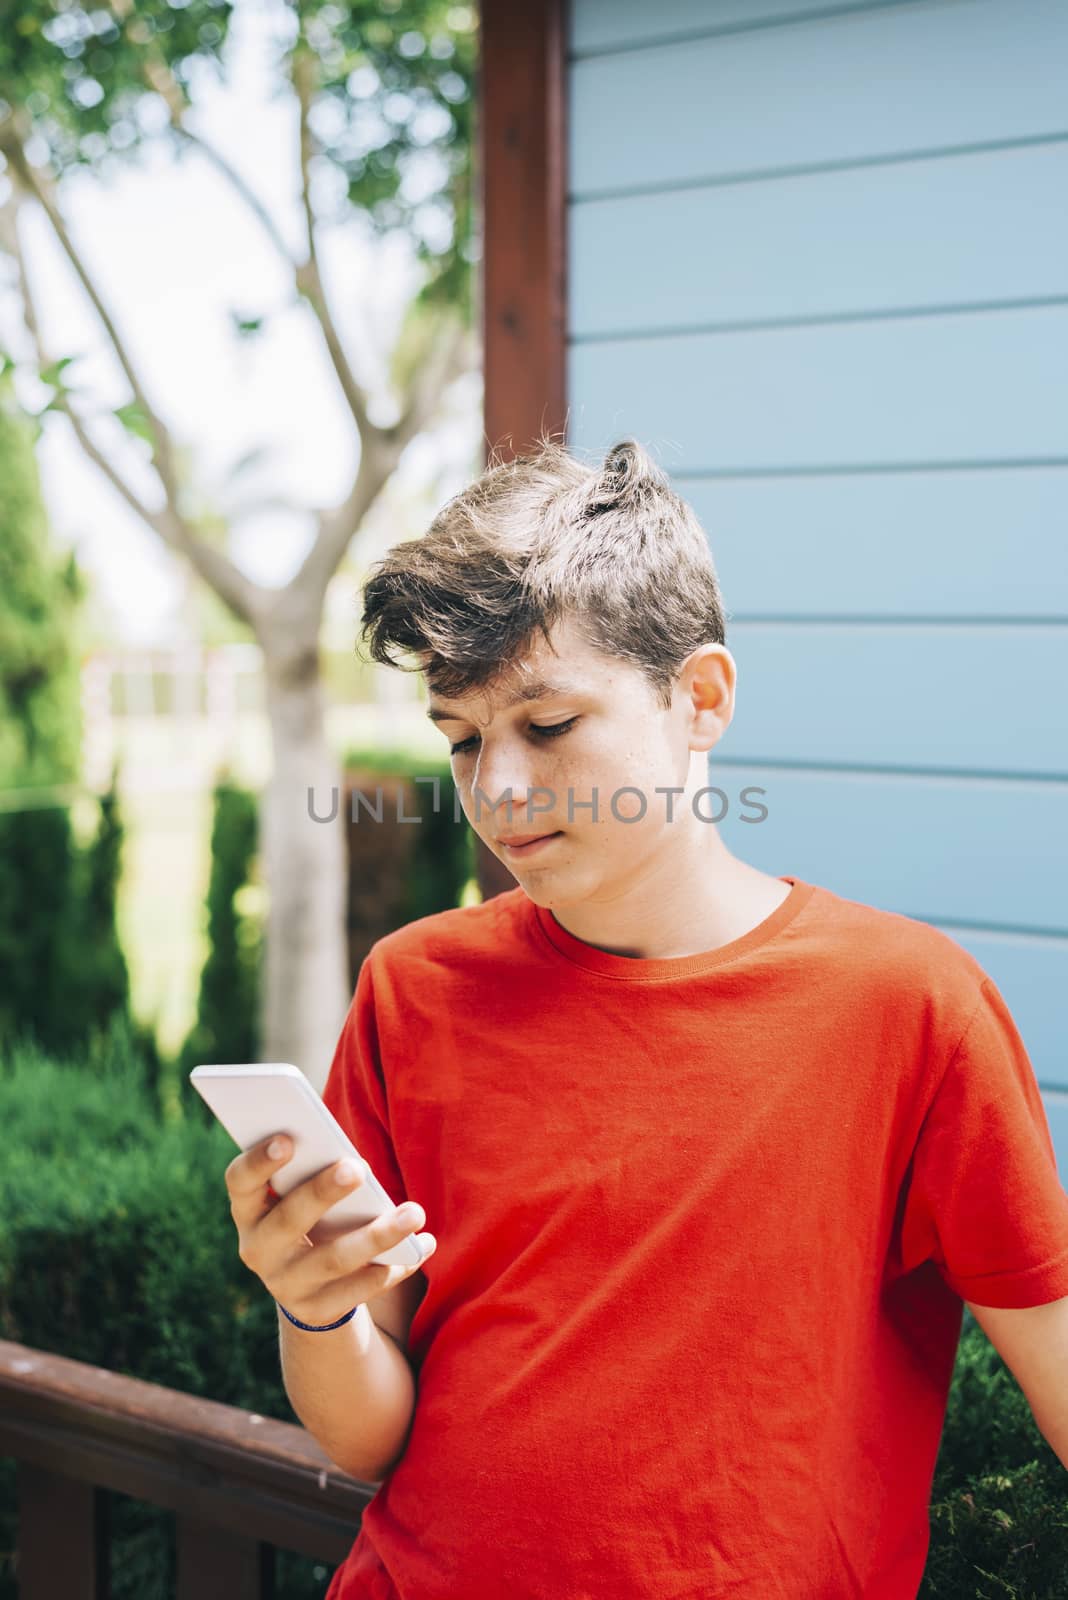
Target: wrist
column 306, row 1325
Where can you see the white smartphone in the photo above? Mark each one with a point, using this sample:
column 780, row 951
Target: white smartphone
column 256, row 1099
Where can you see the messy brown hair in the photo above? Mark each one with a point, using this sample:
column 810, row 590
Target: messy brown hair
column 538, row 538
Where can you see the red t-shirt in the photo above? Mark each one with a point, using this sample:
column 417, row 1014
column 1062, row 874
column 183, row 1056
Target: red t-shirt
column 705, row 1226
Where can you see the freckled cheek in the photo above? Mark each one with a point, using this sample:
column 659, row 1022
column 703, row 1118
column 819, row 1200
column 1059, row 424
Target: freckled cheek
column 573, row 781
column 634, row 777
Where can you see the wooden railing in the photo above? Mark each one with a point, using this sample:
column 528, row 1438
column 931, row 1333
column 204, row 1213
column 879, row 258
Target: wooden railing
column 240, row 1485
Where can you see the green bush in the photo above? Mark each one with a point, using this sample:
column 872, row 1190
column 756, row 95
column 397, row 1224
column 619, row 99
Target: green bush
column 41, row 593
column 227, row 1025
column 999, row 1501
column 63, row 975
column 118, row 1249
column 37, row 851
column 95, row 977
column 62, row 972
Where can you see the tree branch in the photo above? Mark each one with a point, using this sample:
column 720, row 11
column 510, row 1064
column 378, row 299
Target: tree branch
column 251, row 199
column 156, row 71
column 43, row 191
column 214, row 566
column 309, row 278
column 160, row 78
column 453, row 351
column 338, row 524
column 10, row 236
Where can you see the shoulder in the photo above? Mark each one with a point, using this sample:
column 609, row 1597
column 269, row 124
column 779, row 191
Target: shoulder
column 459, row 937
column 900, row 966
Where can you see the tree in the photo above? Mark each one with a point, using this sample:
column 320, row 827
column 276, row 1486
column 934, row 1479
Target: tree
column 94, row 980
column 40, row 595
column 39, row 731
column 62, row 971
column 226, row 1026
column 382, row 96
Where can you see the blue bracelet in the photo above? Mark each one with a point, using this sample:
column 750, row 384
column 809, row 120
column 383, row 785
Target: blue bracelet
column 323, row 1327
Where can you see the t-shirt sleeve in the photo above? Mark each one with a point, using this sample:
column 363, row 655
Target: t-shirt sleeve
column 355, row 1089
column 984, row 1201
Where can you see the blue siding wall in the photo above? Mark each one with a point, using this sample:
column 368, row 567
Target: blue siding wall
column 819, row 263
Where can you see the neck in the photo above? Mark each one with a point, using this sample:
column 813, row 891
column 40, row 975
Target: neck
column 692, row 900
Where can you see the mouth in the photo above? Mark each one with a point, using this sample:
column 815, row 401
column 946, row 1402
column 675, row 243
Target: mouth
column 527, row 844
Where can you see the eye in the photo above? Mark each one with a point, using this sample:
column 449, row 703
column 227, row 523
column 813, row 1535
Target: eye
column 547, row 730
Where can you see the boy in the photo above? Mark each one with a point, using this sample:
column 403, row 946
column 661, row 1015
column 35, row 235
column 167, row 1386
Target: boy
column 713, row 1157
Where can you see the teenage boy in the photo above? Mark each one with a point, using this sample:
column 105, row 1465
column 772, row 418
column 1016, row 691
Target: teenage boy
column 713, row 1158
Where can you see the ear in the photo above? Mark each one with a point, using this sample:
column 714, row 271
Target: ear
column 708, row 679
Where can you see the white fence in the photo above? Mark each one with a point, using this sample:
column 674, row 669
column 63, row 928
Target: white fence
column 175, row 716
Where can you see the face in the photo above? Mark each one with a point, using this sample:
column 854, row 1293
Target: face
column 593, row 727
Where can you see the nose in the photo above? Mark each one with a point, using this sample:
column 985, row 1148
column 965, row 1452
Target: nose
column 499, row 775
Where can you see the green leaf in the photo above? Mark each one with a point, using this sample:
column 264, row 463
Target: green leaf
column 53, row 372
column 246, row 327
column 135, row 421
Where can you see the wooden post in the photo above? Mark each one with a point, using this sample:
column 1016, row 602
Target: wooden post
column 80, row 1432
column 523, row 174
column 62, row 1536
column 521, row 154
column 217, row 1564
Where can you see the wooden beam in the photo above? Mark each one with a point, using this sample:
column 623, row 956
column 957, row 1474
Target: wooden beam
column 523, row 178
column 522, row 160
column 257, row 1477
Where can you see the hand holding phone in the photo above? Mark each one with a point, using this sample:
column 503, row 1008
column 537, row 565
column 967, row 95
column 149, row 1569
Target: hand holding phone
column 317, row 1283
column 313, row 1241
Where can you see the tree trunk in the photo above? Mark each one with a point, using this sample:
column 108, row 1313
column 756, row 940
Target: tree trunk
column 306, row 989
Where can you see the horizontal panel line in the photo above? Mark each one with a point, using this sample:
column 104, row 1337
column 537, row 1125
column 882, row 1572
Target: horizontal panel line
column 872, row 770
column 919, row 468
column 1044, row 936
column 761, row 25
column 819, row 319
column 804, row 169
column 794, row 619
column 1054, row 1091
column 953, row 924
column 864, row 469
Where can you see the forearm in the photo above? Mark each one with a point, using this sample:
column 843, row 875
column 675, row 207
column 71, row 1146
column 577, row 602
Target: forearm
column 354, row 1390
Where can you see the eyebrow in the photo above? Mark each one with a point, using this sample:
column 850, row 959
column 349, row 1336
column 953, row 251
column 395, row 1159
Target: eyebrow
column 533, row 689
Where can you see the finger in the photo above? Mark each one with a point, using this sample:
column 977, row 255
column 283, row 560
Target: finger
column 361, row 1287
column 251, row 1169
column 248, row 1176
column 295, row 1215
column 349, row 1260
